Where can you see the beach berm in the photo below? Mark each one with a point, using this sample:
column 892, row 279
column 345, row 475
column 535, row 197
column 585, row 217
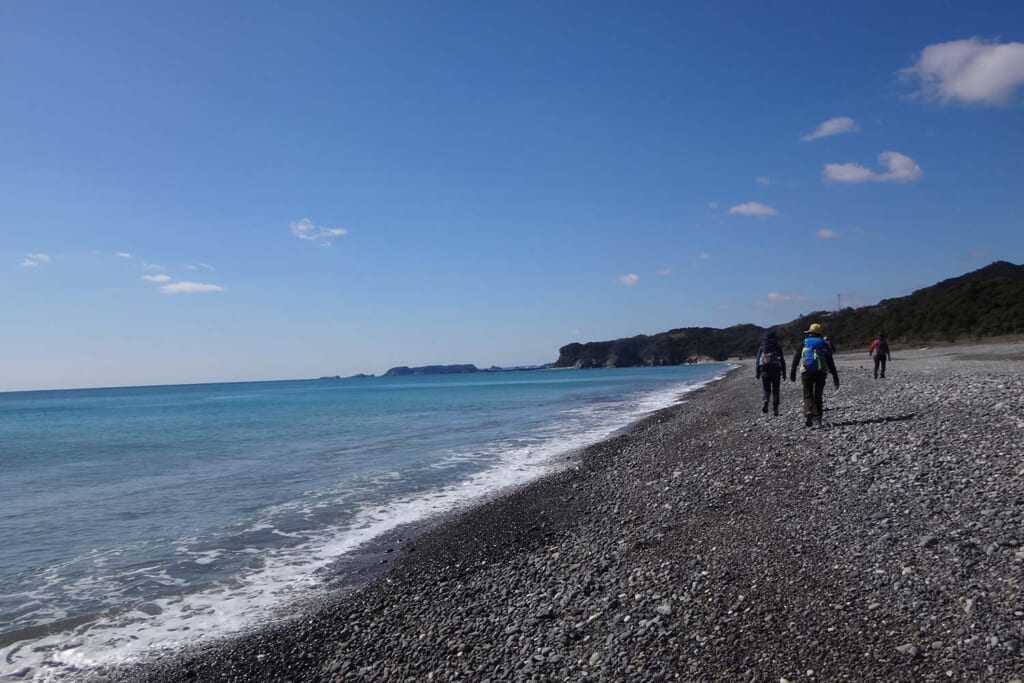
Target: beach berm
column 712, row 542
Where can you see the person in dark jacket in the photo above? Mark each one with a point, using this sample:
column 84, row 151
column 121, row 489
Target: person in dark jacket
column 815, row 362
column 879, row 350
column 770, row 368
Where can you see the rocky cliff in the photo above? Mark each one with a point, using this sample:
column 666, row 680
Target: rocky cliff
column 984, row 303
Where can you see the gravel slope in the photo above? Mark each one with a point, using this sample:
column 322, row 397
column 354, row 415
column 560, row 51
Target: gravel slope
column 714, row 543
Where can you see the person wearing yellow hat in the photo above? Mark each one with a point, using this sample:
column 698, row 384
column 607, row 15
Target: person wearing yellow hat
column 814, row 359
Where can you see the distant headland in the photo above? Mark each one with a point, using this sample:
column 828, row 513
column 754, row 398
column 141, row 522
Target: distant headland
column 457, row 369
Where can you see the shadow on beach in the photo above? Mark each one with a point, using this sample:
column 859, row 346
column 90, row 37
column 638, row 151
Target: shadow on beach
column 875, row 420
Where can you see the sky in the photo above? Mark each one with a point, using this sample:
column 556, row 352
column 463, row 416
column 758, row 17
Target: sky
column 196, row 191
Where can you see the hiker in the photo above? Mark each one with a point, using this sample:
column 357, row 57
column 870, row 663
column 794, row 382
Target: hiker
column 815, row 362
column 879, row 350
column 770, row 368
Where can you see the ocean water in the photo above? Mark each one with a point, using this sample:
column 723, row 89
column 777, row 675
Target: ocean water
column 141, row 519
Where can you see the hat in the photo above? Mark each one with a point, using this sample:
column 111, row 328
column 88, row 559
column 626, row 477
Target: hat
column 815, row 328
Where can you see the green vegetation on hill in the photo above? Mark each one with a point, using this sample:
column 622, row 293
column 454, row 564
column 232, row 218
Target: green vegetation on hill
column 985, row 303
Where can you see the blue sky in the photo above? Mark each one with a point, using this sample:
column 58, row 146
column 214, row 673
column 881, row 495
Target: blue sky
column 204, row 191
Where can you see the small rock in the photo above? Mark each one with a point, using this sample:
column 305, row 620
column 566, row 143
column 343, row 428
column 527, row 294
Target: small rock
column 927, row 541
column 908, row 649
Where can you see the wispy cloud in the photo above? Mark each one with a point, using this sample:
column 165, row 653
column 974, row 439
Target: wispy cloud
column 186, row 287
column 834, row 126
column 33, row 260
column 198, row 266
column 153, row 266
column 899, row 169
column 777, row 298
column 970, row 71
column 159, row 277
column 704, row 256
column 304, row 229
column 764, row 180
column 664, row 272
column 124, row 254
column 828, row 234
column 713, row 205
column 754, row 209
column 628, row 280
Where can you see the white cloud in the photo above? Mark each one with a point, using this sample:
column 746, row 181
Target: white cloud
column 123, row 254
column 764, row 180
column 835, row 126
column 848, row 173
column 713, row 205
column 828, row 234
column 153, row 266
column 704, row 256
column 197, row 266
column 972, row 71
column 33, row 260
column 186, row 287
column 754, row 209
column 160, row 277
column 628, row 280
column 899, row 169
column 304, row 229
column 776, row 298
column 664, row 272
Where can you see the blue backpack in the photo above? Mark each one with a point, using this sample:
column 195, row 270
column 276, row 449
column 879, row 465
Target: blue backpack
column 812, row 358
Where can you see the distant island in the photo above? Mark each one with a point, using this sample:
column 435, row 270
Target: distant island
column 459, row 369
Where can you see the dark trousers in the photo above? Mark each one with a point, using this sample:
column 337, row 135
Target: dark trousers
column 879, row 361
column 814, row 389
column 770, row 383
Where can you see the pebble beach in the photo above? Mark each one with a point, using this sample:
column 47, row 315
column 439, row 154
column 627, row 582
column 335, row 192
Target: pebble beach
column 709, row 542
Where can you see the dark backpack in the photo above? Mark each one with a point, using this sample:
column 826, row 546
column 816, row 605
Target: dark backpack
column 771, row 356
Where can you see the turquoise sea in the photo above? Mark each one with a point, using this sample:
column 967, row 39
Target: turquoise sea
column 136, row 520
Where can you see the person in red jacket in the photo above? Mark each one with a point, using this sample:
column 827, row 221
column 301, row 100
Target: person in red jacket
column 879, row 350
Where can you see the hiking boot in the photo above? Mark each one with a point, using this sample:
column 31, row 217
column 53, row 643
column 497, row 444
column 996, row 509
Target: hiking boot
column 775, row 411
column 809, row 421
column 764, row 407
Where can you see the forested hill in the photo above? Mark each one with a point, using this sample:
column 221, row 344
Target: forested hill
column 984, row 303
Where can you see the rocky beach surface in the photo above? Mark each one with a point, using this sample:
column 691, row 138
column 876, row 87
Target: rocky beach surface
column 712, row 542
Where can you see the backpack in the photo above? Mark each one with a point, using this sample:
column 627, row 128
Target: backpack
column 812, row 357
column 879, row 348
column 771, row 356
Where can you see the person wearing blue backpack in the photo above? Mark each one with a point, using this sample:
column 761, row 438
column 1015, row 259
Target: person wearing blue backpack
column 815, row 362
column 770, row 368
